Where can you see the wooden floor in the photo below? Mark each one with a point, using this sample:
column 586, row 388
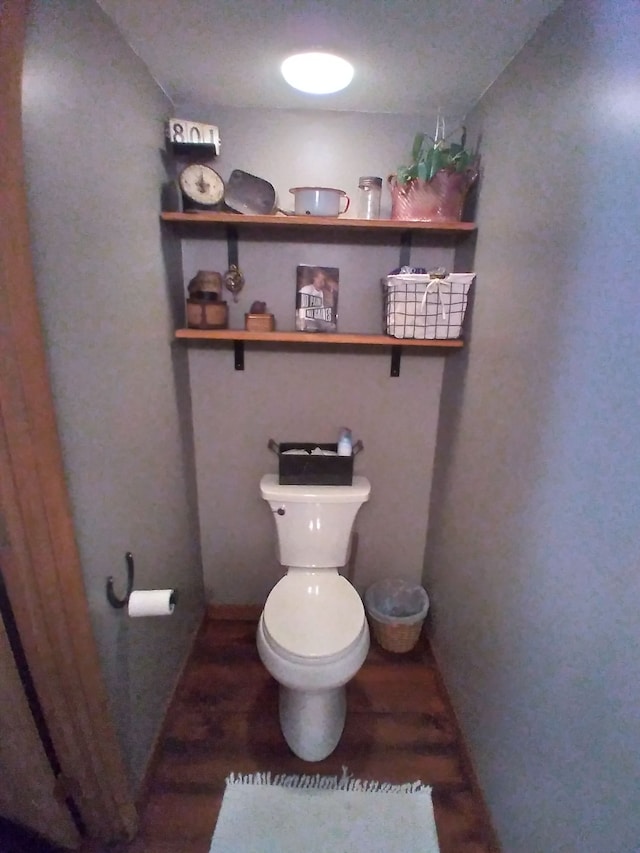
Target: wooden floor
column 224, row 718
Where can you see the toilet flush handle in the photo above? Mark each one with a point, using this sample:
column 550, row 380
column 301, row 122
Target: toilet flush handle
column 280, row 511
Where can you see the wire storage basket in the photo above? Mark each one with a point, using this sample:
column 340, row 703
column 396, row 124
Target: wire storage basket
column 396, row 610
column 425, row 305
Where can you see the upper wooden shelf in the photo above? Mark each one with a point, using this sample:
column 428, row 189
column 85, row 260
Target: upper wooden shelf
column 322, row 338
column 281, row 221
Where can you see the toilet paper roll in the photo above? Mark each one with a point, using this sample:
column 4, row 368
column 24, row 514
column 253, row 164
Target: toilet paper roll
column 152, row 602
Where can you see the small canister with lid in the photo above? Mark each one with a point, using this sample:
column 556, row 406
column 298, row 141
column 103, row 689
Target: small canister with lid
column 370, row 190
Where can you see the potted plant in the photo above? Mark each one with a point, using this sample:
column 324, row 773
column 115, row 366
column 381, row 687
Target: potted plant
column 434, row 185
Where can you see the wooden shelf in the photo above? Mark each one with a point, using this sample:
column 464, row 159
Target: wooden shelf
column 314, row 338
column 280, row 221
column 239, row 336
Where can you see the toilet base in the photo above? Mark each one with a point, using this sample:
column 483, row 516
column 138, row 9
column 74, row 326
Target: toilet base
column 312, row 693
column 312, row 721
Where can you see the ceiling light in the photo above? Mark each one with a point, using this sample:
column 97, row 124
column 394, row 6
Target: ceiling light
column 317, row 73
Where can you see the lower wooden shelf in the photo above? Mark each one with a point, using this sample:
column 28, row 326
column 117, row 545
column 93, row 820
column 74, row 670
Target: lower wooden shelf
column 239, row 336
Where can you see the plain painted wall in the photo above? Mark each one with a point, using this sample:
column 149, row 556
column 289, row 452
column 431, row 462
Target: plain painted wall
column 533, row 552
column 293, row 394
column 94, row 125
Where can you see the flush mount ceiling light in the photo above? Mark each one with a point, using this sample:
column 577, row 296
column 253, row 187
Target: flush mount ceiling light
column 317, row 73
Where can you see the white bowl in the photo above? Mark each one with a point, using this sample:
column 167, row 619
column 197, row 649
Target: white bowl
column 319, row 201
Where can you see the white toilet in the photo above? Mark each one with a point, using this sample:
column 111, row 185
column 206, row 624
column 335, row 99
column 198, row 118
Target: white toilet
column 313, row 635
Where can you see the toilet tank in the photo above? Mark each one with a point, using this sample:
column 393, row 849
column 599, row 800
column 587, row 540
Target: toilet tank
column 314, row 523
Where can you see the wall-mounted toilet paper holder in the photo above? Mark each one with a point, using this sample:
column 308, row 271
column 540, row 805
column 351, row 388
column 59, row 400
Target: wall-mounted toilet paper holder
column 112, row 598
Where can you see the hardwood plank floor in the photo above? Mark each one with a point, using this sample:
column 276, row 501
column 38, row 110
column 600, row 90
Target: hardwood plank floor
column 224, row 718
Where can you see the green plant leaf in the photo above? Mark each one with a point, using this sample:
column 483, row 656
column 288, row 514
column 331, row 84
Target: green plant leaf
column 416, row 151
column 438, row 161
column 429, row 157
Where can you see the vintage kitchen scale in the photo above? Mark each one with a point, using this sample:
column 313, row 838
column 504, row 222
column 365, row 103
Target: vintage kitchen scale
column 194, row 146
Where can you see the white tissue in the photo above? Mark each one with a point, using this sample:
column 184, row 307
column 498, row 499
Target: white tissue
column 151, row 602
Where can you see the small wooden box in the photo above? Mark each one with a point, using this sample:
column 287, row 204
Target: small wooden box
column 259, row 322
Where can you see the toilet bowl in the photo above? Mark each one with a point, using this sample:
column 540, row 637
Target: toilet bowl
column 313, row 635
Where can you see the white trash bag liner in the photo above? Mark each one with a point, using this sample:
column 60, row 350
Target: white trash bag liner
column 395, row 601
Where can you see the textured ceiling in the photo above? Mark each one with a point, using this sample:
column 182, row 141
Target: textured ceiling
column 411, row 56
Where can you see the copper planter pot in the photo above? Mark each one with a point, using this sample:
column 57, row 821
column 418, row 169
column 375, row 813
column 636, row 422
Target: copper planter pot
column 439, row 200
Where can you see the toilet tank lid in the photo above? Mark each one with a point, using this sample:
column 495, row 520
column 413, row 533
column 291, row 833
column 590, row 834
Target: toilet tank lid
column 272, row 490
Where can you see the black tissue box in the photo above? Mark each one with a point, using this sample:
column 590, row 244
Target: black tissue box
column 312, row 469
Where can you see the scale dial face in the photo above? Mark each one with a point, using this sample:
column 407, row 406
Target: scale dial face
column 202, row 184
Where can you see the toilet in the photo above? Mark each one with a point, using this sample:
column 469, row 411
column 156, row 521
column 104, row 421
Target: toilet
column 313, row 635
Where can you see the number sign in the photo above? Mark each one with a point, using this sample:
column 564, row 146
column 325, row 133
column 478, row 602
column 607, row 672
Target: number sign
column 181, row 132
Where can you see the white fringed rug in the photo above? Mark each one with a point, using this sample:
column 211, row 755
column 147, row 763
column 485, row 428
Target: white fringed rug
column 262, row 813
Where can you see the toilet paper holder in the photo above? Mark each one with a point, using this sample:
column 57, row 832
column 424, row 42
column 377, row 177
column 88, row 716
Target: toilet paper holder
column 112, row 598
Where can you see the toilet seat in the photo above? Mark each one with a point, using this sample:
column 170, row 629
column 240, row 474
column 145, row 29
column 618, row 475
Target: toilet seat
column 313, row 615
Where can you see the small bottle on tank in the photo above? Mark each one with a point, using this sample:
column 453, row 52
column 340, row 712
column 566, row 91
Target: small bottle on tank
column 345, row 442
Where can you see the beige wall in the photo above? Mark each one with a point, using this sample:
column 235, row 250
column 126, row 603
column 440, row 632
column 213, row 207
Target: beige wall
column 533, row 551
column 300, row 396
column 293, row 394
column 93, row 122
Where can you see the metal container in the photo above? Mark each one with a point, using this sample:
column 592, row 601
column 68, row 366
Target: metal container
column 246, row 193
column 319, row 201
column 369, row 193
column 311, row 469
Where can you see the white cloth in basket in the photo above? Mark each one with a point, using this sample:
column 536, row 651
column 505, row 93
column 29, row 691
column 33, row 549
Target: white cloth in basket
column 418, row 305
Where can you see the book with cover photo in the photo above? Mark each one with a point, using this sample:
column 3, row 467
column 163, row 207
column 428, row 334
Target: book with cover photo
column 316, row 298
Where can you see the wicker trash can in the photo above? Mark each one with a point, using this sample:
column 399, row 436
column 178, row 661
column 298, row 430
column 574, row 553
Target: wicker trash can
column 396, row 611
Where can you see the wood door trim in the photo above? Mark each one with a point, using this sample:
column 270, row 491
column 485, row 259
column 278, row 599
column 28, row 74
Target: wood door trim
column 40, row 559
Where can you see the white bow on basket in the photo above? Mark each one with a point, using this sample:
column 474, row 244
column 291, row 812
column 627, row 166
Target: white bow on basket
column 438, row 280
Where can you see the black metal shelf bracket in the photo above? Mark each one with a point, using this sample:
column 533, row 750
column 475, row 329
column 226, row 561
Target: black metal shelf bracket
column 112, row 598
column 396, row 356
column 405, row 249
column 232, row 246
column 238, row 355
